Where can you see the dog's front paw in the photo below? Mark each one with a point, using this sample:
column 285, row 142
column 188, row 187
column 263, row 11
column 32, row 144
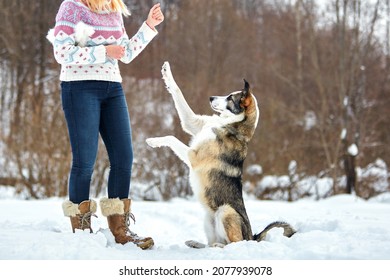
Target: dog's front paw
column 167, row 76
column 155, row 142
column 166, row 68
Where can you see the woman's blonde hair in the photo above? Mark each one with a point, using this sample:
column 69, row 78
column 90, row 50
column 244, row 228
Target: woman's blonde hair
column 113, row 6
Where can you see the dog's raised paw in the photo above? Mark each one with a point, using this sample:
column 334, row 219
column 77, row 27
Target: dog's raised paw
column 166, row 67
column 154, row 142
column 167, row 74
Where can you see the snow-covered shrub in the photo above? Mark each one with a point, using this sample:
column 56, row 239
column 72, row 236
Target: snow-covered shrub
column 254, row 169
column 272, row 187
column 277, row 188
column 314, row 187
column 373, row 179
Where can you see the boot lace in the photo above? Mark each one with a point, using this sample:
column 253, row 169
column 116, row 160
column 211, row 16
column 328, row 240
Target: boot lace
column 85, row 219
column 129, row 216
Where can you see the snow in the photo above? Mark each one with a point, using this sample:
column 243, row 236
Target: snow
column 353, row 150
column 310, row 120
column 254, row 169
column 345, row 101
column 292, row 167
column 342, row 227
column 335, row 236
column 315, row 187
column 343, row 134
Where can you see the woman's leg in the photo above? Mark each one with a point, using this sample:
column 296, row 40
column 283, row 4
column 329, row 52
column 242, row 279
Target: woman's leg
column 81, row 106
column 116, row 133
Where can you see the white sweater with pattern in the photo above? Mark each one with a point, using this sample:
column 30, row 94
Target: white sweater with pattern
column 82, row 54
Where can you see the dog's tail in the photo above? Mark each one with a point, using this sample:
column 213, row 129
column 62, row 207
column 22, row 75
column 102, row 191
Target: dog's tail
column 288, row 230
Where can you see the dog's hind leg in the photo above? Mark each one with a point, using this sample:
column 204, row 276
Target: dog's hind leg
column 212, row 239
column 209, row 228
column 228, row 225
column 178, row 147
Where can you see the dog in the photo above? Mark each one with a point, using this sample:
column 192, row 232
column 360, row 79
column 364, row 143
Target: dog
column 215, row 157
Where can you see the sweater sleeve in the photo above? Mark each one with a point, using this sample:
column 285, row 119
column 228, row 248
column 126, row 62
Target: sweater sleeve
column 66, row 50
column 135, row 45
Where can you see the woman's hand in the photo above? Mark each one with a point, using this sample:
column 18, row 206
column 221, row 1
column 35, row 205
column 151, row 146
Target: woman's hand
column 155, row 16
column 114, row 51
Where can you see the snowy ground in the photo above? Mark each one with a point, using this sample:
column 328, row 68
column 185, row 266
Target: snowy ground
column 339, row 228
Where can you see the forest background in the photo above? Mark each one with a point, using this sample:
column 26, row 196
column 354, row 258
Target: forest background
column 319, row 70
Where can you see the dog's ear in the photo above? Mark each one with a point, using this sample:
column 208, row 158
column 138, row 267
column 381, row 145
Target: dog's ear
column 245, row 101
column 246, row 89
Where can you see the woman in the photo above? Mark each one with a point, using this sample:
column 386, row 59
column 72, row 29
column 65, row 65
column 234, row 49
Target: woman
column 89, row 39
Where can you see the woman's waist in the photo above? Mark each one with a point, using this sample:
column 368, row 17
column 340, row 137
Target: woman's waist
column 90, row 72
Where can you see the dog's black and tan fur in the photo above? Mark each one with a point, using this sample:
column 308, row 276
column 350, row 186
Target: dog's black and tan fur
column 215, row 157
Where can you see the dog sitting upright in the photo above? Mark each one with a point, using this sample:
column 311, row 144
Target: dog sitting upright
column 215, row 158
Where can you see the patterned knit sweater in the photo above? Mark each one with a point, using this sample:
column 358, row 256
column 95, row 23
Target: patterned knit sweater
column 90, row 62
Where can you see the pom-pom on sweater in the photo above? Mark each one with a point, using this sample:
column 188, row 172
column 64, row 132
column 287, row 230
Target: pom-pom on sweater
column 82, row 53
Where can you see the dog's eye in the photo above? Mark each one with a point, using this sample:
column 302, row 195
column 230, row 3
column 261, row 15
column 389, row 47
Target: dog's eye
column 231, row 99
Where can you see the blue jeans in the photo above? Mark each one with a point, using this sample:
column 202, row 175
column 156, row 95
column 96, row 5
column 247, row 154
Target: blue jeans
column 93, row 107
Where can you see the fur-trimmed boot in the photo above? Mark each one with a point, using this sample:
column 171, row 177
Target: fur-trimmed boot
column 118, row 215
column 80, row 214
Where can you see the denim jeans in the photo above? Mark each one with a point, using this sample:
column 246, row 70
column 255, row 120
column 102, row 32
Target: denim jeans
column 93, row 107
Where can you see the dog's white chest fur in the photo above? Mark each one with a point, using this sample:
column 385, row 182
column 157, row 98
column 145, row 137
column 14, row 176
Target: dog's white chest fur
column 194, row 183
column 209, row 123
column 206, row 134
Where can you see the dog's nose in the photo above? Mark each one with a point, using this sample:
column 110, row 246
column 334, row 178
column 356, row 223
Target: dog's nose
column 212, row 98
